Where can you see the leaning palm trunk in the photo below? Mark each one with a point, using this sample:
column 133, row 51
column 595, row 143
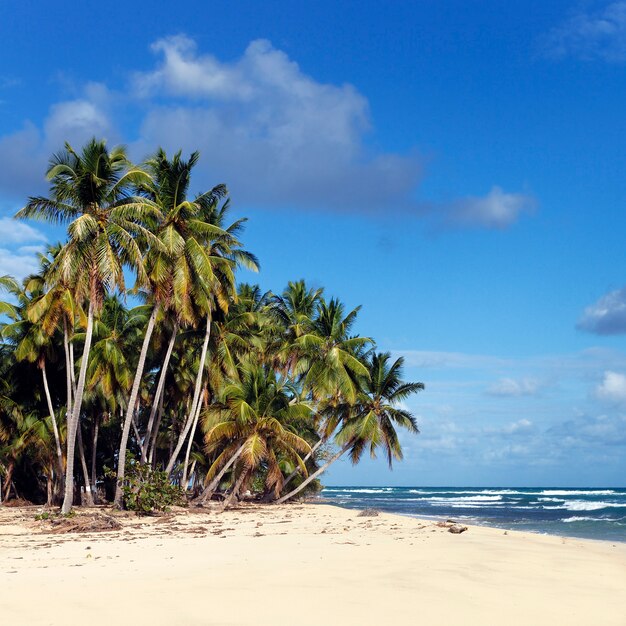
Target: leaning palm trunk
column 215, row 483
column 196, row 399
column 94, row 458
column 304, row 460
column 236, row 489
column 313, row 476
column 83, row 462
column 155, row 432
column 121, row 462
column 158, row 395
column 190, row 444
column 72, row 422
column 57, row 441
column 8, row 480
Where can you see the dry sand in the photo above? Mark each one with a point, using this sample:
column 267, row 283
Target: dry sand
column 301, row 565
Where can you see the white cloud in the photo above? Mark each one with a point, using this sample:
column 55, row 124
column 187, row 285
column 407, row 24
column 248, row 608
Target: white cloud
column 75, row 121
column 515, row 388
column 607, row 316
column 497, row 210
column 612, row 388
column 17, row 264
column 522, row 426
column 276, row 136
column 12, row 231
column 20, row 245
column 184, row 73
column 25, row 152
column 591, row 35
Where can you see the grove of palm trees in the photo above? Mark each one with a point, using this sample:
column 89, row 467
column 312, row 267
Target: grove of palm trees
column 136, row 370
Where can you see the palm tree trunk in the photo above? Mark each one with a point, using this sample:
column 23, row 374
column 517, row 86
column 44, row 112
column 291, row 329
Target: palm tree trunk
column 76, row 408
column 83, row 463
column 121, row 463
column 190, row 443
column 304, row 460
column 55, row 429
column 236, row 488
column 196, row 398
column 155, row 432
column 8, row 479
column 313, row 476
column 49, row 490
column 215, row 483
column 158, row 394
column 94, row 458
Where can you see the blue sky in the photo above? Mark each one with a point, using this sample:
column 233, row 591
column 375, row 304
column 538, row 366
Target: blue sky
column 458, row 168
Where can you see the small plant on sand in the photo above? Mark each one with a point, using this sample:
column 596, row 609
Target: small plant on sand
column 146, row 490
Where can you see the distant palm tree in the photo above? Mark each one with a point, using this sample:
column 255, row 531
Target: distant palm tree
column 254, row 424
column 372, row 420
column 329, row 355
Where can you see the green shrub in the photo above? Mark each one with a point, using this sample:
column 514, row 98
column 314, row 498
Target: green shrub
column 146, row 490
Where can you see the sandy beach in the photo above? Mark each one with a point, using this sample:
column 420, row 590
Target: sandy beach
column 302, row 564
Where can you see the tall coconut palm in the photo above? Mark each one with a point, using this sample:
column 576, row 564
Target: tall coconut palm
column 371, row 422
column 211, row 253
column 91, row 191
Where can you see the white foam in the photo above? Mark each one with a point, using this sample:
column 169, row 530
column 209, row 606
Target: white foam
column 468, row 499
column 573, row 492
column 345, row 491
column 477, row 492
column 580, row 505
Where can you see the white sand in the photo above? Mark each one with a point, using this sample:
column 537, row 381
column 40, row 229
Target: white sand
column 301, row 565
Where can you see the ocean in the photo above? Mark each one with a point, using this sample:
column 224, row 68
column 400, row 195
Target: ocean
column 586, row 513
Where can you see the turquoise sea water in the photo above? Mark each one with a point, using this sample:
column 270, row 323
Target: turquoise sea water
column 588, row 513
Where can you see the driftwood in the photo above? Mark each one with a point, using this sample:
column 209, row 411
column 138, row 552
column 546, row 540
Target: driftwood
column 457, row 529
column 452, row 526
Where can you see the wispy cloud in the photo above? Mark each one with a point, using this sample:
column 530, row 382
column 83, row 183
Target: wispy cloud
column 496, row 210
column 612, row 389
column 510, row 387
column 589, row 35
column 607, row 316
column 18, row 232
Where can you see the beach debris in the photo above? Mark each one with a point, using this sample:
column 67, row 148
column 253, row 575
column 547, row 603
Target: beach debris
column 369, row 513
column 93, row 523
column 452, row 526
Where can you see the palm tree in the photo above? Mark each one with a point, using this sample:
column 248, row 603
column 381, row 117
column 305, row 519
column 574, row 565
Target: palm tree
column 253, row 425
column 329, row 355
column 92, row 191
column 293, row 311
column 331, row 363
column 372, row 420
column 33, row 345
column 211, row 253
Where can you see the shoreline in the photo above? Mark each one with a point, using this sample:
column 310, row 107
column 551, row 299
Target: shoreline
column 471, row 524
column 303, row 563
